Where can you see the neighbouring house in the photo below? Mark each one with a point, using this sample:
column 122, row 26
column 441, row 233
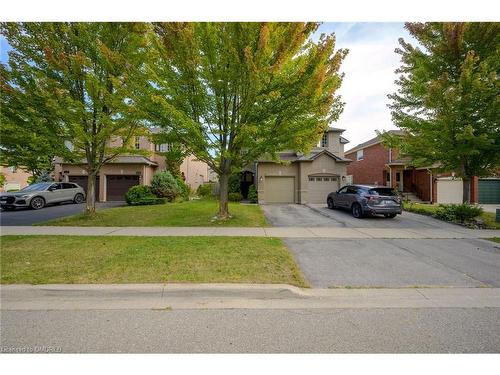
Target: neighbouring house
column 300, row 178
column 16, row 178
column 375, row 164
column 124, row 171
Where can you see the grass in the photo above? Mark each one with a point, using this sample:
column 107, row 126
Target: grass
column 95, row 259
column 193, row 213
column 430, row 209
column 495, row 239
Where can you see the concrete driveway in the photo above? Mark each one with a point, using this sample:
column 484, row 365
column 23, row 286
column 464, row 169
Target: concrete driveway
column 373, row 263
column 318, row 215
column 398, row 262
column 26, row 216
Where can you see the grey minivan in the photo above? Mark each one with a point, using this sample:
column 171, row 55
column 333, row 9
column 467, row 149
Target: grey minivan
column 40, row 194
column 365, row 199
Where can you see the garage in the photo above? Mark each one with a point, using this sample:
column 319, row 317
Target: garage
column 449, row 190
column 83, row 181
column 489, row 190
column 118, row 185
column 320, row 187
column 279, row 189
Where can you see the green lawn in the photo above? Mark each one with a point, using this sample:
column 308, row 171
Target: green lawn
column 82, row 259
column 495, row 239
column 195, row 213
column 429, row 209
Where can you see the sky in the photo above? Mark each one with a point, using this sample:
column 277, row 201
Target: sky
column 369, row 75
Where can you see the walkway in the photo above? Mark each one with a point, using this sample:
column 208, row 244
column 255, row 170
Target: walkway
column 282, row 232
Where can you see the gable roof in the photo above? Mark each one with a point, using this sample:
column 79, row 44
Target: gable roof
column 372, row 142
column 291, row 156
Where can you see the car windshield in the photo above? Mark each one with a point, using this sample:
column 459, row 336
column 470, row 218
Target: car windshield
column 37, row 187
column 382, row 191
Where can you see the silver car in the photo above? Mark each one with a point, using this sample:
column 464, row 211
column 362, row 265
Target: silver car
column 366, row 200
column 40, row 194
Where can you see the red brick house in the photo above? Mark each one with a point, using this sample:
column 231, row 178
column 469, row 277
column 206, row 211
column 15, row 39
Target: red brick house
column 374, row 164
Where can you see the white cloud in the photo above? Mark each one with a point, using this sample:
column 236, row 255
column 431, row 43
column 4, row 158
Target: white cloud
column 369, row 76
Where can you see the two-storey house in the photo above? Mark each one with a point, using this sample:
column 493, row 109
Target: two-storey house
column 304, row 178
column 124, row 171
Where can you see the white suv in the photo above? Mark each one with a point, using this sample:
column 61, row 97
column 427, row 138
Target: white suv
column 40, row 194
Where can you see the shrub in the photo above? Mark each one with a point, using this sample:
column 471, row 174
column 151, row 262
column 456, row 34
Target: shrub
column 139, row 195
column 205, row 190
column 458, row 212
column 164, row 185
column 185, row 190
column 234, row 183
column 252, row 194
column 235, row 197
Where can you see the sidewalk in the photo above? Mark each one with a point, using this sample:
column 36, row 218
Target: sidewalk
column 283, row 232
column 235, row 296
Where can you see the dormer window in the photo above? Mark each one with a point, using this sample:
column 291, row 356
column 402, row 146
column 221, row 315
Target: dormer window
column 324, row 140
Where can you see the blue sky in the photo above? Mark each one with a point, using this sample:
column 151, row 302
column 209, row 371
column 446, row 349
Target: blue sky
column 369, row 74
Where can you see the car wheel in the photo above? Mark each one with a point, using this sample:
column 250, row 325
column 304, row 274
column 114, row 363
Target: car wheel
column 37, row 203
column 356, row 211
column 79, row 198
column 390, row 216
column 330, row 203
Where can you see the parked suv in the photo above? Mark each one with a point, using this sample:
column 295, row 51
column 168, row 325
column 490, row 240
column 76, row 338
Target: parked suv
column 363, row 199
column 38, row 195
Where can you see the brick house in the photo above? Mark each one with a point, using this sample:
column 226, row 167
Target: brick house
column 374, row 164
column 16, row 178
column 118, row 175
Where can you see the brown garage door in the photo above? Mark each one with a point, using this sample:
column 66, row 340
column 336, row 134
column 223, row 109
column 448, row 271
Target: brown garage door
column 117, row 186
column 82, row 181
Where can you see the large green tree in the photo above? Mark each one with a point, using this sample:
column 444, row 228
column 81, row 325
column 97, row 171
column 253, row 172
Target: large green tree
column 232, row 92
column 448, row 98
column 74, row 82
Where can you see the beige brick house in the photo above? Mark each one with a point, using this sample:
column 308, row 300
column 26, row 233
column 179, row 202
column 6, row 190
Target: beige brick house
column 304, row 178
column 15, row 178
column 117, row 176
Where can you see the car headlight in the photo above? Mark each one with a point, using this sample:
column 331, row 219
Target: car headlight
column 23, row 196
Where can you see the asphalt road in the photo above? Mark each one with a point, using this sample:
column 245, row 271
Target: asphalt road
column 26, row 216
column 428, row 330
column 398, row 262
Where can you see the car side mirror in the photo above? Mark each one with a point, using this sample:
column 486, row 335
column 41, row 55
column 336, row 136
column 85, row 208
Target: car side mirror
column 52, row 189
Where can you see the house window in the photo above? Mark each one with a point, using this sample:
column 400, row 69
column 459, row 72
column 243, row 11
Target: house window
column 311, row 178
column 164, row 147
column 137, row 143
column 359, row 154
column 324, row 140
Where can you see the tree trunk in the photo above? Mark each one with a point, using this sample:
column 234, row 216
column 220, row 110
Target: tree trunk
column 90, row 199
column 466, row 190
column 223, row 196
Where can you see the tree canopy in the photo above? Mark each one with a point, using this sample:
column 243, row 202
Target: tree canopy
column 72, row 82
column 232, row 92
column 448, row 97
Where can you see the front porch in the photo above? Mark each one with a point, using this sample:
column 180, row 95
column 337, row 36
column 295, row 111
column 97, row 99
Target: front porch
column 414, row 183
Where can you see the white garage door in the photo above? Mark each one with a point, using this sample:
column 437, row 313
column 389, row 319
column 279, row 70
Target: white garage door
column 449, row 190
column 279, row 189
column 320, row 187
